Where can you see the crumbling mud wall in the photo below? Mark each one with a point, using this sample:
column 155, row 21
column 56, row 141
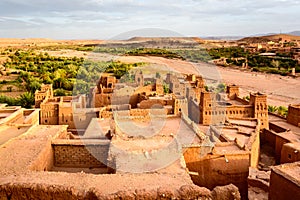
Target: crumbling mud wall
column 58, row 192
column 218, row 170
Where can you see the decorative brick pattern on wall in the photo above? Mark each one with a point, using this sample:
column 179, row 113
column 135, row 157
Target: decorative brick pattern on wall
column 80, row 155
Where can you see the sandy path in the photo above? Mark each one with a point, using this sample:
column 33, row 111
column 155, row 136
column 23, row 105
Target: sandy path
column 280, row 90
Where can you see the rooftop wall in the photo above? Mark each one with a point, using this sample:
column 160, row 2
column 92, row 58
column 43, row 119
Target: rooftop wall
column 77, row 153
column 217, row 170
column 284, row 185
column 294, row 115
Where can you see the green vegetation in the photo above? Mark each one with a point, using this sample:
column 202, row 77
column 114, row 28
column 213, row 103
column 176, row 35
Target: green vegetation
column 66, row 74
column 26, row 100
column 153, row 52
column 281, row 110
column 34, row 69
column 62, row 92
column 220, row 88
column 247, row 98
column 166, row 88
column 229, row 52
column 112, row 50
column 281, row 64
column 76, row 47
column 89, row 74
column 73, row 75
column 194, row 55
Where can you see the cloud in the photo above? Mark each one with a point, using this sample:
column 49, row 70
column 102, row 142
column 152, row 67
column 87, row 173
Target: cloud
column 189, row 17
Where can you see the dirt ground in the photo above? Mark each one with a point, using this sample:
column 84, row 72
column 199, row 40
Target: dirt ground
column 281, row 90
column 31, row 42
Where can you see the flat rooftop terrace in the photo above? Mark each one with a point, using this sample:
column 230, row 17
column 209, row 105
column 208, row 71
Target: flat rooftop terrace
column 235, row 102
column 22, row 166
column 9, row 132
column 232, row 134
column 159, row 129
column 227, row 148
column 244, row 122
column 290, row 171
column 283, row 123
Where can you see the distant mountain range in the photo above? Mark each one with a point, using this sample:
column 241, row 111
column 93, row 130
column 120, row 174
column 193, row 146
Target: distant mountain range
column 296, row 33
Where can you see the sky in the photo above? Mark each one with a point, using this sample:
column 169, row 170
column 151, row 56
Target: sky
column 108, row 19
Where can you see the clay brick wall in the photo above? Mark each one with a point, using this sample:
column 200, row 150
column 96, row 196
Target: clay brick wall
column 215, row 171
column 193, row 111
column 294, row 115
column 45, row 160
column 233, row 91
column 260, row 108
column 119, row 100
column 283, row 187
column 49, row 112
column 290, row 153
column 276, row 128
column 145, row 113
column 217, row 114
column 136, row 113
column 280, row 141
column 74, row 153
column 45, row 92
column 254, row 147
column 159, row 88
column 180, row 106
column 31, row 116
column 269, row 137
column 14, row 116
column 177, row 88
column 243, row 101
column 102, row 100
column 150, row 103
column 171, row 78
column 66, row 116
column 105, row 114
column 213, row 112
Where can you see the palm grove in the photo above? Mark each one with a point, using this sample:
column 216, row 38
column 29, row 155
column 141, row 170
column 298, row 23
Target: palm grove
column 68, row 75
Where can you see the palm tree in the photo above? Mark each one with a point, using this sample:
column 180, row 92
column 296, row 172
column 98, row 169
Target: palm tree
column 272, row 109
column 33, row 85
column 26, row 100
column 282, row 111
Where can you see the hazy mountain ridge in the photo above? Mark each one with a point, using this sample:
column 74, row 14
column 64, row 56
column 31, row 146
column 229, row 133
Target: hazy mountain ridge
column 237, row 37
